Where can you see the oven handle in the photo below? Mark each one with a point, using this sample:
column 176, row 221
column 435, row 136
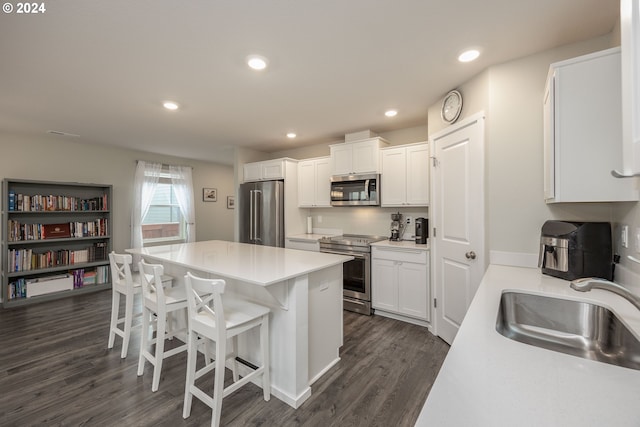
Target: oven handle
column 353, row 254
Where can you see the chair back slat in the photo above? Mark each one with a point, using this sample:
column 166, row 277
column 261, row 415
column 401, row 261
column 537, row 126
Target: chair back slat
column 205, row 296
column 151, row 280
column 121, row 269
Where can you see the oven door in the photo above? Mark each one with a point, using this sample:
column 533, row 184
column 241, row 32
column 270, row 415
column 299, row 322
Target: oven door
column 355, row 274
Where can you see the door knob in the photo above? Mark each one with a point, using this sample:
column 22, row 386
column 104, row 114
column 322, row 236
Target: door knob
column 470, row 255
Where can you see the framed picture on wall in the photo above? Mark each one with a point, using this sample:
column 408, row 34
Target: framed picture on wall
column 231, row 202
column 209, row 194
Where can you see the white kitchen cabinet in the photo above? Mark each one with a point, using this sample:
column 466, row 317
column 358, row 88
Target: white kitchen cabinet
column 405, row 175
column 266, row 170
column 400, row 281
column 583, row 131
column 350, row 158
column 314, row 183
column 630, row 44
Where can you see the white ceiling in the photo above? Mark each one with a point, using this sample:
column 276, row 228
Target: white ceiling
column 100, row 69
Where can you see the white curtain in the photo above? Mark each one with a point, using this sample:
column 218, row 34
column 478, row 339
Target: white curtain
column 145, row 183
column 183, row 187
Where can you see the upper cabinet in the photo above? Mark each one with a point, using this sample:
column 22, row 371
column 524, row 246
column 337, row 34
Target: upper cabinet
column 583, row 131
column 405, row 175
column 630, row 41
column 350, row 158
column 266, row 170
column 314, row 183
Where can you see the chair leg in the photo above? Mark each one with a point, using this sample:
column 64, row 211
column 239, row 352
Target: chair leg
column 144, row 339
column 159, row 353
column 264, row 345
column 128, row 320
column 218, row 385
column 192, row 356
column 234, row 361
column 115, row 306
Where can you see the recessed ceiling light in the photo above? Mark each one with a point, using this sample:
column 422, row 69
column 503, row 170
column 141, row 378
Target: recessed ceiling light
column 291, row 135
column 170, row 105
column 391, row 113
column 469, row 55
column 257, row 62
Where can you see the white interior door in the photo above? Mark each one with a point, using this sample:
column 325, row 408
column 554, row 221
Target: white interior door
column 458, row 217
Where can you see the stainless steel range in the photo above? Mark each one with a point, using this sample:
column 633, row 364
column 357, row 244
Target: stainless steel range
column 356, row 273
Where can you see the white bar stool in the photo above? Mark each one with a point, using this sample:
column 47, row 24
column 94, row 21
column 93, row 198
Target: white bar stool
column 211, row 320
column 122, row 283
column 162, row 303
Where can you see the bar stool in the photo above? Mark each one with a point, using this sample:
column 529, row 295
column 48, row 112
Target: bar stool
column 122, row 283
column 211, row 320
column 158, row 305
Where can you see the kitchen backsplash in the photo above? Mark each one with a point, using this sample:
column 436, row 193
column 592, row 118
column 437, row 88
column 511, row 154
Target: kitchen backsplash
column 364, row 220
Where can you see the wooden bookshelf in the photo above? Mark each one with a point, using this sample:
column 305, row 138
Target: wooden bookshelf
column 56, row 238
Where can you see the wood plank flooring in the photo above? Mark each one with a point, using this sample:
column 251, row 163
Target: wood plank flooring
column 55, row 370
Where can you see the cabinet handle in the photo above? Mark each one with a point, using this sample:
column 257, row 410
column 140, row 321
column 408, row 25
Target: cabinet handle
column 470, row 255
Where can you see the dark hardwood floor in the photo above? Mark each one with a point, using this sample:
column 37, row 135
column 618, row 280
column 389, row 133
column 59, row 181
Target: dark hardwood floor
column 55, row 369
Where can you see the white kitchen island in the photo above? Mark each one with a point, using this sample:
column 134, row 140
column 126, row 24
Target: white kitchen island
column 302, row 289
column 488, row 380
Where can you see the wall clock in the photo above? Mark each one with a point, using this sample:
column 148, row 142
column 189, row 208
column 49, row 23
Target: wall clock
column 451, row 106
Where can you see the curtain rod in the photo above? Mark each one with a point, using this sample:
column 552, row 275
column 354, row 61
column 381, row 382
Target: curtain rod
column 166, row 164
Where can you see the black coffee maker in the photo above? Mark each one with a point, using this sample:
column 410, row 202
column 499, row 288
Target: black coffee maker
column 572, row 250
column 422, row 231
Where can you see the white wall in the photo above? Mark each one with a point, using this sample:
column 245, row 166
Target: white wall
column 55, row 158
column 511, row 94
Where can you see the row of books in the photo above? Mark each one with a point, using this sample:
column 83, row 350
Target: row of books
column 23, row 288
column 40, row 203
column 27, row 259
column 18, row 232
column 97, row 276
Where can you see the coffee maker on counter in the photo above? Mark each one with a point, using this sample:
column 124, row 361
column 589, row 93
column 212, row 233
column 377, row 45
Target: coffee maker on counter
column 572, row 250
column 396, row 226
column 422, row 231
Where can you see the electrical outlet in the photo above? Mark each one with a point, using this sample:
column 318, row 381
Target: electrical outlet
column 637, row 240
column 408, row 220
column 319, row 219
column 624, row 236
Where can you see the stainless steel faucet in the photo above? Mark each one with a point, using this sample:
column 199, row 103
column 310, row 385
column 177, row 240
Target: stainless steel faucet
column 587, row 283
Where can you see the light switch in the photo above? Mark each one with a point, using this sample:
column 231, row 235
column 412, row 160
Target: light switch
column 637, row 240
column 624, row 236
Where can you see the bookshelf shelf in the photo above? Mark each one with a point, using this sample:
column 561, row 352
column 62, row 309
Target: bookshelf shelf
column 72, row 259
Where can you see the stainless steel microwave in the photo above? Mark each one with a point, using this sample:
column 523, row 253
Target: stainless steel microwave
column 355, row 190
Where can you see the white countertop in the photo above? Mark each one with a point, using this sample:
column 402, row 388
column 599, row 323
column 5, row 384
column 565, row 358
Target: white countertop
column 259, row 265
column 405, row 244
column 490, row 380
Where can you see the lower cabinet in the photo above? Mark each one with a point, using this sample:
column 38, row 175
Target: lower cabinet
column 400, row 281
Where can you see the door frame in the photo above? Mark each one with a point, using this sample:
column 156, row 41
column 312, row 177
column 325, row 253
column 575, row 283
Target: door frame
column 433, row 213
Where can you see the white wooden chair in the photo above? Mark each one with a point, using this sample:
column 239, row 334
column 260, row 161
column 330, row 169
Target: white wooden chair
column 122, row 283
column 211, row 320
column 158, row 305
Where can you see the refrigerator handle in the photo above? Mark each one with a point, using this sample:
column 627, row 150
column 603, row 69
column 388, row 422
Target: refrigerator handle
column 252, row 215
column 257, row 216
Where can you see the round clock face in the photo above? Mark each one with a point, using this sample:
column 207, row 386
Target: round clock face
column 451, row 106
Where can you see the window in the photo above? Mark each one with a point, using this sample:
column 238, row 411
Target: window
column 164, row 220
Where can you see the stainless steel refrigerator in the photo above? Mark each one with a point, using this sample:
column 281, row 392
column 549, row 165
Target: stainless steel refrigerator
column 261, row 207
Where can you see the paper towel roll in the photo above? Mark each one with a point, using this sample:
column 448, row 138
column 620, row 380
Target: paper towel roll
column 309, row 225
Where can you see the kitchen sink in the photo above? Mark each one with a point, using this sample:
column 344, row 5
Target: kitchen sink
column 572, row 327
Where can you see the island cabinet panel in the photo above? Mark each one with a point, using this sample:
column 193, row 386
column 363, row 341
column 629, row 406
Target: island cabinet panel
column 56, row 238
